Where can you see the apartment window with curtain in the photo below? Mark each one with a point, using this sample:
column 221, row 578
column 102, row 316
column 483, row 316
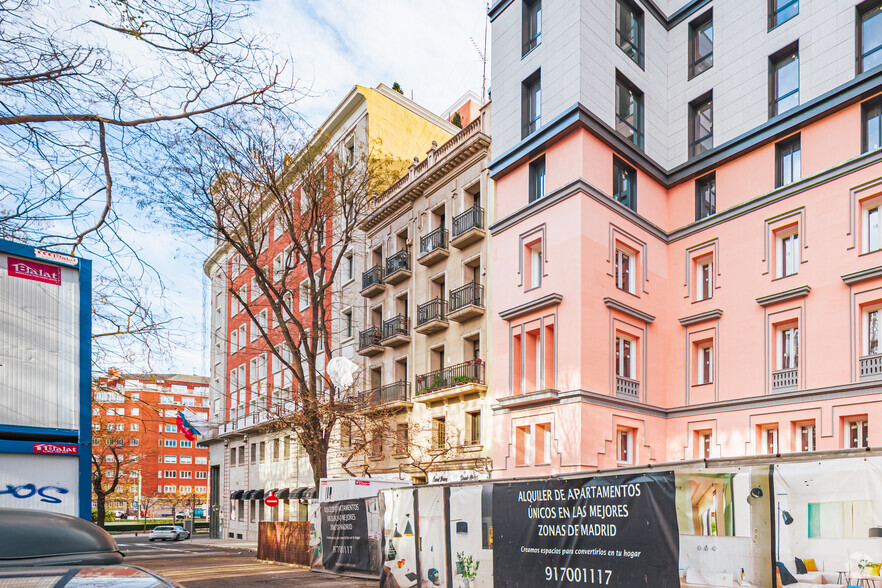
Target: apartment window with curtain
column 784, row 80
column 705, row 444
column 533, row 264
column 788, row 161
column 629, row 30
column 770, row 439
column 704, row 281
column 788, row 348
column 705, row 364
column 857, row 433
column 705, row 196
column 625, row 270
column 532, row 25
column 629, row 111
column 701, row 44
column 624, row 184
column 537, row 179
column 701, row 125
column 871, row 333
column 871, row 137
column 625, row 364
column 869, row 35
column 780, row 11
column 788, row 252
column 806, row 437
column 531, row 104
column 624, row 446
column 871, row 235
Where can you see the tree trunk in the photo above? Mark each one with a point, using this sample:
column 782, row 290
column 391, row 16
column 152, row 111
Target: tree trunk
column 100, row 501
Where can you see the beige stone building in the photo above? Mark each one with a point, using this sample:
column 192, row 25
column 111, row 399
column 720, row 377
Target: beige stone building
column 425, row 302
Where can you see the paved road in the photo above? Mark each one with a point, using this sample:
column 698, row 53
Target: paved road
column 205, row 566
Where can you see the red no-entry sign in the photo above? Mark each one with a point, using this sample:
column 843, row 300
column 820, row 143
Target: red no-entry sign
column 271, row 500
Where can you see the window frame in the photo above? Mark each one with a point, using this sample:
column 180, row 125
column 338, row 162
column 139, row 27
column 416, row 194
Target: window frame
column 787, row 240
column 695, row 106
column 638, row 42
column 704, row 278
column 622, row 343
column 705, row 364
column 624, row 441
column 622, row 170
column 536, row 179
column 623, row 84
column 774, row 12
column 866, row 109
column 531, row 104
column 701, row 185
column 861, row 11
column 625, row 271
column 777, row 61
column 529, row 7
column 695, row 30
column 781, row 151
column 863, row 432
column 801, row 437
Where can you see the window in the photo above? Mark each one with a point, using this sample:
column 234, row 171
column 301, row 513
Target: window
column 201, row 475
column 170, row 459
column 543, row 443
column 401, row 438
column 523, row 446
column 624, row 184
column 629, row 30
column 704, row 283
column 186, row 444
column 134, row 442
column 701, row 44
column 625, row 367
column 872, row 128
column 625, row 445
column 186, row 459
column 439, row 432
column 171, row 489
column 783, row 80
column 537, row 179
column 788, row 252
column 347, row 323
column 171, row 428
column 780, row 11
column 705, row 364
column 629, row 111
column 348, row 267
column 857, row 432
column 705, row 196
column 170, row 443
column 701, row 125
column 769, row 435
column 255, row 292
column 532, row 25
column 871, row 333
column 201, row 461
column 806, row 437
column 869, row 35
column 134, row 426
column 870, row 235
column 473, row 428
column 262, row 451
column 788, row 348
column 788, row 164
column 625, row 270
column 304, row 295
column 276, row 447
column 254, row 453
column 531, row 104
column 705, row 443
column 186, row 475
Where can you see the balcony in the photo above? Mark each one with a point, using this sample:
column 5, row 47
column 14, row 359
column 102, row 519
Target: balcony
column 457, row 380
column 372, row 281
column 466, row 302
column 871, row 367
column 627, row 388
column 369, row 342
column 398, row 267
column 468, row 227
column 396, row 331
column 432, row 316
column 785, row 380
column 389, row 397
column 433, row 247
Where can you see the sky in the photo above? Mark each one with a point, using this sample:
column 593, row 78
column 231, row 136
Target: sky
column 432, row 48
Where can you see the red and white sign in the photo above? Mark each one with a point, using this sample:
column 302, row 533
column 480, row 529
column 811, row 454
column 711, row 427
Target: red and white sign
column 31, row 270
column 362, row 483
column 271, row 500
column 57, row 448
column 57, row 257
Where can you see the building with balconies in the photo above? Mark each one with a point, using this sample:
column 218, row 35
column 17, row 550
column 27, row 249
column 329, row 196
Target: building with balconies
column 424, row 342
column 686, row 246
column 248, row 440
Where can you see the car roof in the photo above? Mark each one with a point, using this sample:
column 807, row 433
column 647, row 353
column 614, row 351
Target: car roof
column 164, row 528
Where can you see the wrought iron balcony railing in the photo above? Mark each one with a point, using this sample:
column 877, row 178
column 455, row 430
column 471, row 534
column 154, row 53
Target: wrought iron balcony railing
column 398, row 261
column 473, row 218
column 456, row 375
column 394, row 392
column 372, row 276
column 435, row 309
column 397, row 325
column 370, row 336
column 472, row 293
column 437, row 239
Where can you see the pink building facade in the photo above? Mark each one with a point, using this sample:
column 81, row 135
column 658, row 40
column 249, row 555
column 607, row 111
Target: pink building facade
column 713, row 293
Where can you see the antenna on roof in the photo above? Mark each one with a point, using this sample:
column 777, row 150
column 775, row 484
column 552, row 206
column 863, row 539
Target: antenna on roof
column 483, row 54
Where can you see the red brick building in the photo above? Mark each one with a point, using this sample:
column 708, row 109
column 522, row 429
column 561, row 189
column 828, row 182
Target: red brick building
column 142, row 409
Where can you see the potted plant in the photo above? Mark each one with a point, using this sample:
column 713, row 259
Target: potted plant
column 467, row 567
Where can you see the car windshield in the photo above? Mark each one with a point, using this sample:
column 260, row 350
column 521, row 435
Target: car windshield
column 164, row 529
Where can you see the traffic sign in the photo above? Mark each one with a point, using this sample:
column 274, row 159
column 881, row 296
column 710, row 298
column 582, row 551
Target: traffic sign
column 271, row 500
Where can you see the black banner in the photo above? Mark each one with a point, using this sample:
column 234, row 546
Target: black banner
column 618, row 531
column 345, row 543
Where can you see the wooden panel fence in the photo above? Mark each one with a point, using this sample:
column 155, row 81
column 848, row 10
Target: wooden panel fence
column 284, row 542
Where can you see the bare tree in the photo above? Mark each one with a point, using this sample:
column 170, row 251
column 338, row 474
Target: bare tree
column 148, row 499
column 292, row 220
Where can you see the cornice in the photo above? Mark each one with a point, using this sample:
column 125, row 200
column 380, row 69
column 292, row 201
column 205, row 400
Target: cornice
column 701, row 317
column 630, row 311
column 532, row 306
column 784, row 296
column 863, row 275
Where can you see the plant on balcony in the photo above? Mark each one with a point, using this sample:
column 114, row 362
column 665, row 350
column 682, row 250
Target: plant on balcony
column 460, row 380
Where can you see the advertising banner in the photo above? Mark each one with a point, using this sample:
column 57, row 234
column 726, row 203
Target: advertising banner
column 616, row 531
column 346, row 545
column 400, row 554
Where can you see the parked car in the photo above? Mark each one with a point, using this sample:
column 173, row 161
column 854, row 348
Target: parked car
column 37, row 547
column 166, row 532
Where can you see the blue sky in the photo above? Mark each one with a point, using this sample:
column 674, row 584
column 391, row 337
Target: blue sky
column 430, row 47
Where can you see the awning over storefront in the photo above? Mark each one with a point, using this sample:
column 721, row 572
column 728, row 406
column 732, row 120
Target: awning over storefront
column 237, row 495
column 284, row 493
column 308, row 493
column 295, row 493
column 258, row 495
column 274, row 492
column 248, row 495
